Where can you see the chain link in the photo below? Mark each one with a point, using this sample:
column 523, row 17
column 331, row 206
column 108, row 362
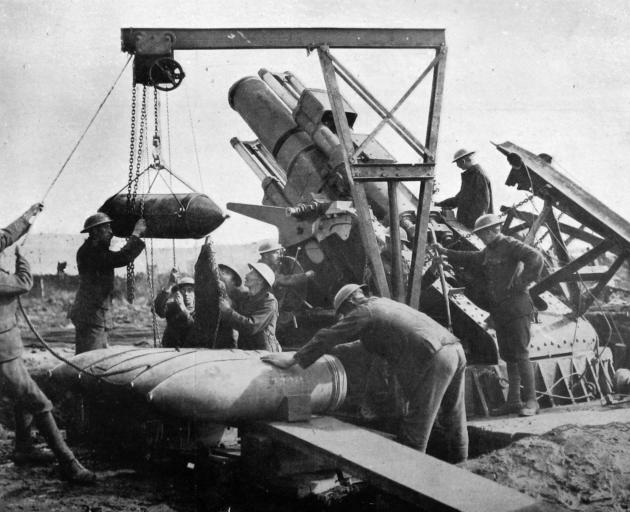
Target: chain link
column 131, row 196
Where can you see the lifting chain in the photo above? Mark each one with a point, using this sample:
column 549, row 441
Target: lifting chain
column 132, row 190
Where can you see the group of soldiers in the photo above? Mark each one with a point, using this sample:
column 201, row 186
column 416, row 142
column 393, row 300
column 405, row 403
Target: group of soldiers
column 426, row 358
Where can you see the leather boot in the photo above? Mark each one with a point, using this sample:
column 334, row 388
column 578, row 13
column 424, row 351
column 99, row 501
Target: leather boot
column 25, row 451
column 71, row 469
column 514, row 403
column 526, row 370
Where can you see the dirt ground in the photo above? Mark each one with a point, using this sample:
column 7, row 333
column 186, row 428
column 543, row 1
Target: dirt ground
column 579, row 468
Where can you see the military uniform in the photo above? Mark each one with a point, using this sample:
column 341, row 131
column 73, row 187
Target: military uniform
column 14, row 378
column 91, row 312
column 510, row 306
column 474, row 197
column 255, row 320
column 427, row 359
column 179, row 323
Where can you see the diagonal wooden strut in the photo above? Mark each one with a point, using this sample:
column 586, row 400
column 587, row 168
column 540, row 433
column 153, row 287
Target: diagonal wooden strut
column 358, row 192
column 378, row 107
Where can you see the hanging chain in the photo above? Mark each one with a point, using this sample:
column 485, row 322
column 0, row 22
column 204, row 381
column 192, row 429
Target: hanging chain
column 132, row 194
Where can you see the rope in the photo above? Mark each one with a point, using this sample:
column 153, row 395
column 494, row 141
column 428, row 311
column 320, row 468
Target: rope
column 70, row 363
column 194, row 138
column 86, row 129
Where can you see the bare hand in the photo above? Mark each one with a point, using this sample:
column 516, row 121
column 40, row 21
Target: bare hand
column 224, row 305
column 17, row 251
column 438, row 248
column 515, row 280
column 310, row 274
column 179, row 300
column 280, row 359
column 140, row 228
column 33, row 210
column 172, row 278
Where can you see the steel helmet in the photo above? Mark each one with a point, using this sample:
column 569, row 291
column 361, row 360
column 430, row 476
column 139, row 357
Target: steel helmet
column 487, row 221
column 264, row 271
column 268, row 247
column 229, row 270
column 183, row 280
column 403, row 235
column 95, row 220
column 344, row 294
column 461, row 153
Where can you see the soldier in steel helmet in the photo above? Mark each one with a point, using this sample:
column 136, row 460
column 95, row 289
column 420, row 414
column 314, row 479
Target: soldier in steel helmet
column 508, row 266
column 31, row 404
column 475, row 194
column 271, row 255
column 176, row 303
column 91, row 313
column 428, row 361
column 256, row 315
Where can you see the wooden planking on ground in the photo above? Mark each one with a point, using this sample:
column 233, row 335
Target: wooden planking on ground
column 399, row 470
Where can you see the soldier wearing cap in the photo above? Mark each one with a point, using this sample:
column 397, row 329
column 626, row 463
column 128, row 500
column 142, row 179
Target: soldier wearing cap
column 508, row 266
column 427, row 359
column 475, row 194
column 91, row 313
column 176, row 303
column 256, row 315
column 31, row 404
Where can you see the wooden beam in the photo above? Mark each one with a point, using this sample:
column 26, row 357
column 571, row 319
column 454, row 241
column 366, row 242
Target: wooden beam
column 565, row 272
column 367, row 96
column 141, row 40
column 394, row 236
column 426, row 187
column 358, row 192
column 538, row 222
column 594, row 293
column 387, row 118
column 390, row 172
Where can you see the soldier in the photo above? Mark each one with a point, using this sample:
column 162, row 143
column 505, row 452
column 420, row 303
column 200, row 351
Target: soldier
column 475, row 194
column 428, row 361
column 177, row 304
column 271, row 254
column 91, row 313
column 256, row 315
column 508, row 266
column 31, row 405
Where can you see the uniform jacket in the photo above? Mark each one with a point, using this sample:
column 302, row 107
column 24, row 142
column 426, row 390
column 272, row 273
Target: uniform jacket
column 498, row 261
column 96, row 263
column 179, row 324
column 474, row 197
column 12, row 285
column 390, row 329
column 255, row 320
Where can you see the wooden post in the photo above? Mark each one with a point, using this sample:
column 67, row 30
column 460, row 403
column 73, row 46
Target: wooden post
column 358, row 192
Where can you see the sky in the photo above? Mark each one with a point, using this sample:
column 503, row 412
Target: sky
column 550, row 76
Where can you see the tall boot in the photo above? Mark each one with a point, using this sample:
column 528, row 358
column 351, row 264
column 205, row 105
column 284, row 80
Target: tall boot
column 526, row 370
column 25, row 451
column 514, row 403
column 71, row 468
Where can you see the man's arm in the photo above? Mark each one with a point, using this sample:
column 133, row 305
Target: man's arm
column 451, row 202
column 463, row 258
column 531, row 258
column 249, row 324
column 113, row 259
column 20, row 282
column 349, row 328
column 18, row 227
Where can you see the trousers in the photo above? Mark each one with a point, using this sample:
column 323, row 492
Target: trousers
column 89, row 337
column 440, row 382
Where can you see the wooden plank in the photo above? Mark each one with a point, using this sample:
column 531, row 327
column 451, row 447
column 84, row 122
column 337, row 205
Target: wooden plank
column 397, row 469
column 358, row 192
